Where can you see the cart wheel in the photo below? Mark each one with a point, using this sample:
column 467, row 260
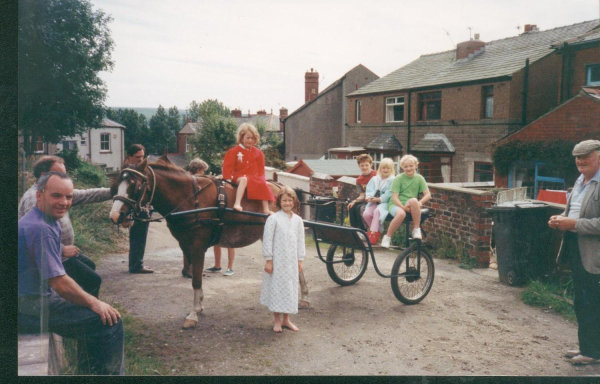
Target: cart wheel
column 412, row 288
column 512, row 278
column 351, row 269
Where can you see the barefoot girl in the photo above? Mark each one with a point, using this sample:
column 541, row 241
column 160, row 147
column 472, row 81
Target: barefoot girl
column 377, row 196
column 244, row 164
column 283, row 249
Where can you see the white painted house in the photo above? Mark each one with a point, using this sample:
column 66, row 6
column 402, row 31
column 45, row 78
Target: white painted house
column 104, row 145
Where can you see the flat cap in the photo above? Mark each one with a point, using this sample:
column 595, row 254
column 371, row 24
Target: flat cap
column 586, row 147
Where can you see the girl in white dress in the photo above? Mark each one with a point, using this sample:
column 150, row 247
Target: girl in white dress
column 283, row 249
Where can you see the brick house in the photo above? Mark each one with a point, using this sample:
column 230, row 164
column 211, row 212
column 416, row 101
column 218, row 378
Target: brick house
column 474, row 95
column 322, row 117
column 575, row 118
column 185, row 134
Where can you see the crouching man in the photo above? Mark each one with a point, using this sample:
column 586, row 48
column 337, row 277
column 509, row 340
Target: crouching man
column 49, row 298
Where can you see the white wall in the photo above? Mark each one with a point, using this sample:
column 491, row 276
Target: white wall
column 299, row 182
column 112, row 158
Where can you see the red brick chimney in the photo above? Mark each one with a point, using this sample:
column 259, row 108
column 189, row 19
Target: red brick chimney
column 530, row 28
column 283, row 113
column 311, row 85
column 464, row 49
column 262, row 112
column 236, row 113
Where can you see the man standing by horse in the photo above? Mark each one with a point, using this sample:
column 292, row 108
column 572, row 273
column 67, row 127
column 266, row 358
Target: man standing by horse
column 49, row 298
column 139, row 230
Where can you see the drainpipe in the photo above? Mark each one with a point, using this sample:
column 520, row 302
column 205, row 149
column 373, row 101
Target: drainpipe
column 569, row 65
column 408, row 127
column 284, row 144
column 525, row 86
column 90, row 145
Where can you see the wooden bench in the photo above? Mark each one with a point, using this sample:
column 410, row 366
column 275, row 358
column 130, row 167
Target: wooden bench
column 40, row 354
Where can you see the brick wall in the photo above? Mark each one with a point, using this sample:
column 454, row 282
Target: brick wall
column 460, row 219
column 579, row 65
column 181, row 143
column 322, row 184
column 347, row 188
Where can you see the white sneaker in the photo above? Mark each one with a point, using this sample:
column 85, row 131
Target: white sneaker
column 416, row 234
column 228, row 272
column 386, row 241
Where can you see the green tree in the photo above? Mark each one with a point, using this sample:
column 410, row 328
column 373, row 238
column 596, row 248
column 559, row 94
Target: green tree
column 136, row 126
column 193, row 112
column 63, row 45
column 159, row 131
column 174, row 125
column 218, row 134
column 213, row 107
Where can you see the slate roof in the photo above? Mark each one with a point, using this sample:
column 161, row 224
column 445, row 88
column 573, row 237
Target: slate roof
column 588, row 37
column 499, row 58
column 108, row 123
column 334, row 167
column 386, row 142
column 191, row 127
column 270, row 121
column 347, row 149
column 434, row 143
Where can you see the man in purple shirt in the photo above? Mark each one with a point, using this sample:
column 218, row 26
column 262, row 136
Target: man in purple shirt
column 50, row 299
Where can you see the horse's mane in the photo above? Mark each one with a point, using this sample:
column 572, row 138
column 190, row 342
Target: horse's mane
column 166, row 166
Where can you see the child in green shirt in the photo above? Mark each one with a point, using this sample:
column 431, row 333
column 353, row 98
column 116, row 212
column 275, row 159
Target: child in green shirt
column 405, row 192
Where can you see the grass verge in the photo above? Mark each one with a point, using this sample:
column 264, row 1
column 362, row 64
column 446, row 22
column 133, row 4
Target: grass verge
column 553, row 296
column 136, row 364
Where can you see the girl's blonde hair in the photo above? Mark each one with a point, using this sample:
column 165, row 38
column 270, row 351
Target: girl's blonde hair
column 243, row 129
column 291, row 193
column 406, row 158
column 386, row 162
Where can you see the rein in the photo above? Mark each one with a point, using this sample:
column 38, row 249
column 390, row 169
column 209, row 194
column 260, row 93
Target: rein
column 137, row 206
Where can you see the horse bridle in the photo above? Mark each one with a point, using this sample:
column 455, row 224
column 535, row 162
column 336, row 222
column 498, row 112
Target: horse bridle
column 136, row 206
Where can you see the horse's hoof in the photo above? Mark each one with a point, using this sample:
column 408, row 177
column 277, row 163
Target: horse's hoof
column 189, row 324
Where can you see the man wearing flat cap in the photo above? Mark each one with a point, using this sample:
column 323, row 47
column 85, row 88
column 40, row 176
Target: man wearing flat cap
column 580, row 223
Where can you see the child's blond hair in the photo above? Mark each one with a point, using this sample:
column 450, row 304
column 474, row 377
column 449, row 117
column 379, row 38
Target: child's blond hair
column 245, row 128
column 406, row 158
column 386, row 162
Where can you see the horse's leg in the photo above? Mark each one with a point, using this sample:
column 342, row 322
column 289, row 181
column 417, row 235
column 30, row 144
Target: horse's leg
column 197, row 255
column 304, row 302
column 186, row 264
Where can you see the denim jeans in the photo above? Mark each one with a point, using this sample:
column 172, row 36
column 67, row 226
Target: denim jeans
column 100, row 348
column 137, row 244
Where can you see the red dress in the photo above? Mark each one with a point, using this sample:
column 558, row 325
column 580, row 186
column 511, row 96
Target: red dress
column 250, row 163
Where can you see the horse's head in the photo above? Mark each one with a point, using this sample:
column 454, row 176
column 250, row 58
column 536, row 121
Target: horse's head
column 128, row 191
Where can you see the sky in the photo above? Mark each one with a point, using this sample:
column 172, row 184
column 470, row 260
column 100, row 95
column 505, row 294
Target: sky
column 253, row 55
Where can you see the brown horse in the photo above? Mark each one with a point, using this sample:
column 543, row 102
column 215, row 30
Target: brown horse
column 169, row 188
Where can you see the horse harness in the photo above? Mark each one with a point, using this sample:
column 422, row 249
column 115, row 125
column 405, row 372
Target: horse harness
column 219, row 222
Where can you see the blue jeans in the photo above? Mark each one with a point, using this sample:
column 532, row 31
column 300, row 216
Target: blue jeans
column 137, row 245
column 100, row 348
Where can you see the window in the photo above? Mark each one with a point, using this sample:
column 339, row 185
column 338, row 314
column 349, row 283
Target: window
column 357, row 102
column 105, row 142
column 488, row 101
column 188, row 145
column 483, row 172
column 69, row 144
column 39, row 145
column 394, row 109
column 83, row 141
column 430, row 105
column 593, row 75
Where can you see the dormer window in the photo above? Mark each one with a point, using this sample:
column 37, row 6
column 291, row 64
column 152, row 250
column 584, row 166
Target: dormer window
column 593, row 75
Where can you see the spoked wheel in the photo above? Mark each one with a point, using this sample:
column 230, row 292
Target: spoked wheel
column 352, row 266
column 413, row 287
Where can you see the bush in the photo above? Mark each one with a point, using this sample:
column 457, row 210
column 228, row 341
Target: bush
column 71, row 157
column 90, row 174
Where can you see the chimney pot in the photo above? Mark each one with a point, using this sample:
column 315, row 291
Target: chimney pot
column 477, row 36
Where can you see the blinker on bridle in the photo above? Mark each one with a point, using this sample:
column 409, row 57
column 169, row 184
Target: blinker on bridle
column 136, row 206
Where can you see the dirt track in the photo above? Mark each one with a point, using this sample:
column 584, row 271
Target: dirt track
column 469, row 324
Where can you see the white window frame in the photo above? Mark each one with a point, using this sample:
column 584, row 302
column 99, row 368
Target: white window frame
column 104, row 141
column 358, row 106
column 188, row 146
column 588, row 75
column 83, row 141
column 488, row 102
column 390, row 104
